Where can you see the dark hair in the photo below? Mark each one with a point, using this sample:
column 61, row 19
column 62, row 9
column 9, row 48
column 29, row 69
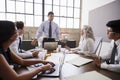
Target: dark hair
column 50, row 13
column 19, row 24
column 114, row 25
column 7, row 29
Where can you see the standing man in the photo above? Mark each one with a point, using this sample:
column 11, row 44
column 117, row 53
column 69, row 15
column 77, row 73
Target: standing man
column 111, row 61
column 48, row 29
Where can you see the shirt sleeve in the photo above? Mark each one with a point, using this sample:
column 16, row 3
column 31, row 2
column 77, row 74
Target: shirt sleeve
column 39, row 31
column 14, row 48
column 111, row 67
column 58, row 32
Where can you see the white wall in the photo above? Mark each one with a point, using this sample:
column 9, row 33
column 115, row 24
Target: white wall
column 89, row 5
column 100, row 16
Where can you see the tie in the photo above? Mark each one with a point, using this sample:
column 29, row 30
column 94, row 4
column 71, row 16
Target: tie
column 50, row 30
column 20, row 45
column 114, row 51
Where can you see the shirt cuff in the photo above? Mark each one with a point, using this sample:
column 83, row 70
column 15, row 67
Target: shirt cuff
column 29, row 53
column 104, row 65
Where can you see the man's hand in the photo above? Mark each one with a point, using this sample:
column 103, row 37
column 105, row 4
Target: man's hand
column 97, row 61
column 34, row 42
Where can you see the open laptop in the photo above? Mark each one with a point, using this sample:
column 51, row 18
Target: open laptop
column 50, row 45
column 56, row 58
column 54, row 73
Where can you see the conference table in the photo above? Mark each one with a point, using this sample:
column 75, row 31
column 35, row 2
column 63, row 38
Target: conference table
column 69, row 70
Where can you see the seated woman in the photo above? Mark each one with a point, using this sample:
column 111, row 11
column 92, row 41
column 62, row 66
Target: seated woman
column 87, row 40
column 8, row 34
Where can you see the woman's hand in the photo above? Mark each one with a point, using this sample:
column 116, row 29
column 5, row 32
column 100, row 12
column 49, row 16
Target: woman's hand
column 48, row 62
column 35, row 54
column 75, row 51
column 46, row 67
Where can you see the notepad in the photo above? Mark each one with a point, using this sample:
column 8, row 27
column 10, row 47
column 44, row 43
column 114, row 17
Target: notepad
column 78, row 61
column 92, row 75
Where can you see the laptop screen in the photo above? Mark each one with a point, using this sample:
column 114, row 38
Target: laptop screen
column 50, row 45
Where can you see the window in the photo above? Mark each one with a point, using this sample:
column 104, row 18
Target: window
column 63, row 22
column 48, row 1
column 69, row 22
column 56, row 2
column 29, row 20
column 29, row 8
column 70, row 3
column 70, row 12
column 38, row 9
column 10, row 6
column 38, row 1
column 63, row 2
column 20, row 7
column 2, row 16
column 31, row 12
column 38, row 20
column 56, row 10
column 2, row 5
column 56, row 20
column 47, row 9
column 10, row 17
column 20, row 17
column 63, row 11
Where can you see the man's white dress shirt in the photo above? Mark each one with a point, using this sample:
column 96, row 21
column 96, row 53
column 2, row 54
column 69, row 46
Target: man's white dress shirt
column 14, row 48
column 112, row 67
column 44, row 30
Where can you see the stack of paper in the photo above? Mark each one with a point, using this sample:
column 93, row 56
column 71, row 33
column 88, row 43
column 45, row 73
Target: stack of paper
column 78, row 61
column 92, row 75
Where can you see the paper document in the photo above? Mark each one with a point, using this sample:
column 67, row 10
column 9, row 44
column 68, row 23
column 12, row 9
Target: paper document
column 78, row 61
column 92, row 75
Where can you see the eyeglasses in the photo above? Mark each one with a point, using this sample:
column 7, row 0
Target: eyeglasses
column 110, row 32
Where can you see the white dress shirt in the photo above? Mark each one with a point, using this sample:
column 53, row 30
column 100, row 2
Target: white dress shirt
column 86, row 44
column 112, row 67
column 14, row 49
column 44, row 30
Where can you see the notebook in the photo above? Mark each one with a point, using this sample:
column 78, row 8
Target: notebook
column 92, row 75
column 78, row 61
column 50, row 45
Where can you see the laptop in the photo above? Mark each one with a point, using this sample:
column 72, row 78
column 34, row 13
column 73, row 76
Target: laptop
column 50, row 45
column 57, row 58
column 55, row 73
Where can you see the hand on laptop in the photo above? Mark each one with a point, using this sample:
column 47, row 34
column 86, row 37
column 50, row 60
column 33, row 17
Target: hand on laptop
column 47, row 67
column 51, row 63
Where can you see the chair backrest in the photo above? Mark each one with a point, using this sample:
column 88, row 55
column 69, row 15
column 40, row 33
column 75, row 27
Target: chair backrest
column 98, row 44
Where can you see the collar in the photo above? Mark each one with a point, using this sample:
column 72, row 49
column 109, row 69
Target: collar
column 49, row 21
column 117, row 42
